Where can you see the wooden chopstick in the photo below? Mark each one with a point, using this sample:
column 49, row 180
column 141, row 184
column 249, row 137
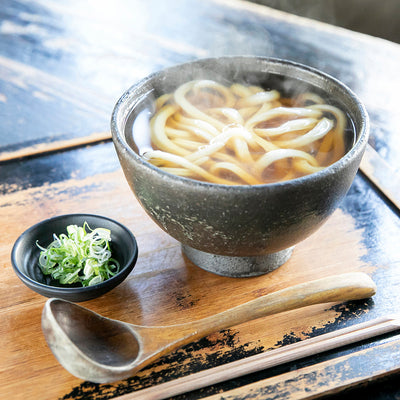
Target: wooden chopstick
column 271, row 358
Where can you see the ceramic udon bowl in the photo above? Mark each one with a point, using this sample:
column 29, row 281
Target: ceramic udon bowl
column 244, row 230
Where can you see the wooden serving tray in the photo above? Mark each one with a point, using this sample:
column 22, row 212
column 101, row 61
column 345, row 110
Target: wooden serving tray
column 166, row 288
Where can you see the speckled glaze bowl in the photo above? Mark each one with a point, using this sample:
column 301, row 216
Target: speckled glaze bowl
column 244, row 230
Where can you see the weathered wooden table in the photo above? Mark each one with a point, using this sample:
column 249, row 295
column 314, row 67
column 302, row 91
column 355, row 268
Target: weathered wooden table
column 62, row 67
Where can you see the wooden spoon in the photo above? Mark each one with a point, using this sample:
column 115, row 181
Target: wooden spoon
column 103, row 350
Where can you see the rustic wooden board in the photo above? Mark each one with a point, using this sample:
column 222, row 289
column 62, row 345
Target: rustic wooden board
column 63, row 65
column 382, row 175
column 165, row 287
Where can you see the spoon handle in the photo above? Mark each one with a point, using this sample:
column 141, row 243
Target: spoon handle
column 337, row 288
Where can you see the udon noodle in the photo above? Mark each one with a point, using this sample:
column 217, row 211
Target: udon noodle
column 243, row 135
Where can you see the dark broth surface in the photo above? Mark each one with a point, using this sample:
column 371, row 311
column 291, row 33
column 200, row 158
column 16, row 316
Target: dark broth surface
column 234, row 163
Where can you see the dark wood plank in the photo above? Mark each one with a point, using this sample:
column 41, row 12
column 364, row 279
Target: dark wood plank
column 64, row 65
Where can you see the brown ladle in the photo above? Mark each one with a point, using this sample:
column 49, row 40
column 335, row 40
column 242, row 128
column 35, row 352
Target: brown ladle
column 103, row 350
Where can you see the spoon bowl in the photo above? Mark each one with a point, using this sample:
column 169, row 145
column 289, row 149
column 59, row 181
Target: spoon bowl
column 103, row 350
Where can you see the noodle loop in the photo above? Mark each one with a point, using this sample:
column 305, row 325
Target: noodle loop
column 243, row 135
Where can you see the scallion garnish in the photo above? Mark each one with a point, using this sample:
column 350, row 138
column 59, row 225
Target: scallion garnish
column 82, row 255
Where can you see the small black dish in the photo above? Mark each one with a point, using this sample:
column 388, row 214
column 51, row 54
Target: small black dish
column 25, row 255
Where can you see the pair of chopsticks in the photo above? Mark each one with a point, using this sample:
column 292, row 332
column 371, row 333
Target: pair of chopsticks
column 271, row 358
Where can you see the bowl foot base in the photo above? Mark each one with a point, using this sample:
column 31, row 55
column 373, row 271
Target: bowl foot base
column 237, row 267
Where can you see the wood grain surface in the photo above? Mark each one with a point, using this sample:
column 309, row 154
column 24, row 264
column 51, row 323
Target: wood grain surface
column 166, row 288
column 63, row 65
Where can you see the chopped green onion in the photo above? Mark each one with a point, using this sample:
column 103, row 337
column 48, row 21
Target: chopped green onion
column 81, row 256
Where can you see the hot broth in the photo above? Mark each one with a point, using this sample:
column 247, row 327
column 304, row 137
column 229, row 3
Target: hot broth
column 240, row 134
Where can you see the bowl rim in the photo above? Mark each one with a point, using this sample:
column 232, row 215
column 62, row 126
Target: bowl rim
column 128, row 266
column 119, row 137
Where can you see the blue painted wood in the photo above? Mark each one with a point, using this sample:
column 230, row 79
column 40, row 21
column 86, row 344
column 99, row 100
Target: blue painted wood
column 63, row 66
